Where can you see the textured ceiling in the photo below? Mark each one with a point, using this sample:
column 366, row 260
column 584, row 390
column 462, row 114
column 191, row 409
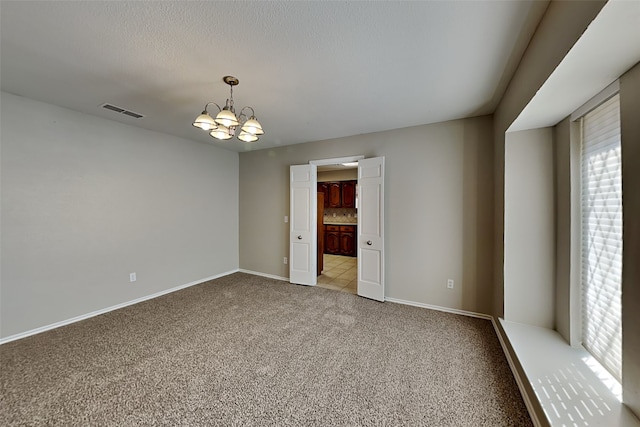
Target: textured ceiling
column 311, row 70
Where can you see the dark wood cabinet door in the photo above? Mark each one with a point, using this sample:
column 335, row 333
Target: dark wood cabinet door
column 347, row 244
column 332, row 242
column 349, row 194
column 323, row 187
column 335, row 195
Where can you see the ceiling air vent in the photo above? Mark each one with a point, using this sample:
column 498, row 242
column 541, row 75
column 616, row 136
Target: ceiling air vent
column 132, row 114
column 122, row 111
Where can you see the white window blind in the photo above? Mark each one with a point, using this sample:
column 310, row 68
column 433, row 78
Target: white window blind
column 602, row 235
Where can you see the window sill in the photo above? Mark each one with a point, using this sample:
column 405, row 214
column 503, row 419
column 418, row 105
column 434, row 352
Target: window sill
column 571, row 387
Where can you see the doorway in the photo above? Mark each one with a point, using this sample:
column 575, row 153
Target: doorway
column 337, row 228
column 369, row 238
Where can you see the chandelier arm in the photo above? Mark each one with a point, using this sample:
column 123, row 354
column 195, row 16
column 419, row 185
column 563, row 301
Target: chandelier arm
column 253, row 113
column 207, row 106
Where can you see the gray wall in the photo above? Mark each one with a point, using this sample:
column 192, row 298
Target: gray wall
column 529, row 232
column 86, row 201
column 629, row 114
column 562, row 25
column 438, row 195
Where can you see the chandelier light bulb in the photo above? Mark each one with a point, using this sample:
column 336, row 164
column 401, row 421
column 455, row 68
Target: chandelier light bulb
column 247, row 137
column 227, row 118
column 221, row 133
column 252, row 126
column 204, row 121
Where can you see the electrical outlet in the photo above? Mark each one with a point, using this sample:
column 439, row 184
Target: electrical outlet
column 450, row 283
column 132, row 277
column 286, row 219
column 285, row 260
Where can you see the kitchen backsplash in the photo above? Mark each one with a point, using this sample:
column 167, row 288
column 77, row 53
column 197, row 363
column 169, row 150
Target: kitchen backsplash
column 341, row 215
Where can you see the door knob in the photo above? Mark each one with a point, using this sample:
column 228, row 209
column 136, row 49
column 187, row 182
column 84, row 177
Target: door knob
column 369, row 242
column 299, row 237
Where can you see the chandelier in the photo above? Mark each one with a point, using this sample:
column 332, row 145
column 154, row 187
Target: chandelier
column 224, row 126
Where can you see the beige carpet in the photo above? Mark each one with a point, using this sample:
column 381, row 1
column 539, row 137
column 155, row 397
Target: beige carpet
column 244, row 350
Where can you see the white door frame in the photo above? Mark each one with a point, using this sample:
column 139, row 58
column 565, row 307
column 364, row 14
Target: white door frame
column 308, row 242
column 313, row 250
column 335, row 161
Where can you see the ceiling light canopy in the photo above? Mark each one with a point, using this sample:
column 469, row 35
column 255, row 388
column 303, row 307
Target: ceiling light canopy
column 224, row 125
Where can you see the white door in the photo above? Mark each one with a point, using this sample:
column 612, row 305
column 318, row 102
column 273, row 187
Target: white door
column 303, row 234
column 371, row 228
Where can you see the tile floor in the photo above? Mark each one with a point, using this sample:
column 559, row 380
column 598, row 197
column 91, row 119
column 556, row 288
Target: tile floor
column 340, row 273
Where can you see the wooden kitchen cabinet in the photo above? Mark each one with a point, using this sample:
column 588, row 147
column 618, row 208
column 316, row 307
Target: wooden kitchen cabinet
column 348, row 194
column 335, row 195
column 341, row 194
column 323, row 187
column 340, row 240
column 332, row 239
column 348, row 240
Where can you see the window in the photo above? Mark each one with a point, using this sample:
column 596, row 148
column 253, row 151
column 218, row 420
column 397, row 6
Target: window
column 602, row 235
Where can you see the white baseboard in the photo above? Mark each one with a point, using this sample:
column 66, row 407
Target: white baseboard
column 108, row 309
column 437, row 307
column 516, row 375
column 270, row 276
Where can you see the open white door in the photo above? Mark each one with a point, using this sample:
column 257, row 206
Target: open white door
column 371, row 228
column 303, row 235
